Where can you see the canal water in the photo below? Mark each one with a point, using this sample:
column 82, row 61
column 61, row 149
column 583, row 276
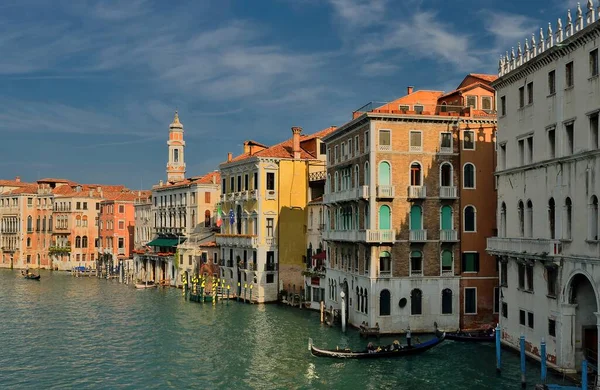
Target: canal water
column 66, row 332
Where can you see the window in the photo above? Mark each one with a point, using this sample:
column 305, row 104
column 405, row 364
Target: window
column 551, row 217
column 504, row 309
column 594, row 131
column 569, row 218
column 446, row 301
column 503, row 274
column 446, row 262
column 416, row 263
column 270, row 181
column 415, row 174
column 446, row 175
column 551, row 143
column 522, row 318
column 470, row 262
column 530, row 319
column 269, row 227
column 384, row 303
column 529, row 149
column 502, row 162
column 239, row 183
column 496, row 300
column 246, row 184
column 529, row 274
column 356, row 146
column 416, row 302
column 416, row 141
column 569, row 138
column 403, row 107
column 469, row 140
column 366, row 142
column 223, row 189
column 486, row 103
column 521, row 274
column 121, row 207
column 530, row 93
column 521, row 152
column 418, row 109
column 594, row 63
column 446, row 142
column 470, row 300
column 232, row 184
column 503, row 105
column 350, row 147
column 472, row 101
column 323, row 148
column 385, row 140
column 551, row 82
column 470, row 224
column 551, row 281
column 593, row 218
column 569, row 74
column 551, row 327
column 121, row 225
column 521, row 97
column 343, row 148
column 385, row 263
column 529, row 219
column 521, row 215
column 469, row 176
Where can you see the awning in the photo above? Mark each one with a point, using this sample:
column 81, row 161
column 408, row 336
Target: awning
column 320, row 256
column 165, row 242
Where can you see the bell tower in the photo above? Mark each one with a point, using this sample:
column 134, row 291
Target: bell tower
column 176, row 164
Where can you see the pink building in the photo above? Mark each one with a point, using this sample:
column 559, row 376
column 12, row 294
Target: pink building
column 116, row 229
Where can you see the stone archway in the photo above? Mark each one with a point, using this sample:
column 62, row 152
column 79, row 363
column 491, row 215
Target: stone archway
column 582, row 297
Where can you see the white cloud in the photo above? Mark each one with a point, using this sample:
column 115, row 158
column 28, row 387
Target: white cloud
column 359, row 13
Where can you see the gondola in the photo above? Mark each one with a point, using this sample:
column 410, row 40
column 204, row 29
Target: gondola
column 384, row 353
column 32, row 277
column 477, row 336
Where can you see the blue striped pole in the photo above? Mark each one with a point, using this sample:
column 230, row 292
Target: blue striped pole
column 498, row 347
column 522, row 345
column 584, row 376
column 543, row 358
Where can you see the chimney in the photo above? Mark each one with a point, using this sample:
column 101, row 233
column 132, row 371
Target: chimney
column 18, row 179
column 160, row 183
column 409, row 89
column 229, row 157
column 296, row 131
column 247, row 147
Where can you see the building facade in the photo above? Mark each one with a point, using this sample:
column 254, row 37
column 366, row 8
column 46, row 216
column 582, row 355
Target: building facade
column 395, row 213
column 548, row 188
column 265, row 191
column 316, row 253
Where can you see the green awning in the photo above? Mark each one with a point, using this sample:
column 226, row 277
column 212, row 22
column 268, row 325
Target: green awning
column 165, row 242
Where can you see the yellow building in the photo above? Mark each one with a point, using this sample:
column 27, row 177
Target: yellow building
column 264, row 193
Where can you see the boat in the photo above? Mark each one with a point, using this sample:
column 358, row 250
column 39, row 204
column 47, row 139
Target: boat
column 478, row 336
column 32, row 277
column 145, row 285
column 386, row 352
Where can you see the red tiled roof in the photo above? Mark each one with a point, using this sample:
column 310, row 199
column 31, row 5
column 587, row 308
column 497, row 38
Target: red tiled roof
column 318, row 200
column 487, row 77
column 27, row 189
column 54, row 180
column 206, row 179
column 466, row 88
column 209, row 244
column 285, row 149
column 13, row 183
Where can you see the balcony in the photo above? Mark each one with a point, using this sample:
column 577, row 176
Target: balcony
column 343, row 196
column 271, row 195
column 121, row 251
column 385, row 148
column 270, row 241
column 363, row 192
column 231, row 196
column 385, row 274
column 417, row 192
column 531, row 246
column 253, row 195
column 340, row 235
column 237, row 240
column 445, row 149
column 448, row 192
column 386, row 192
column 378, row 236
column 418, row 235
column 448, row 235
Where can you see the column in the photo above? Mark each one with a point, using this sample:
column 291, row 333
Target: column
column 566, row 337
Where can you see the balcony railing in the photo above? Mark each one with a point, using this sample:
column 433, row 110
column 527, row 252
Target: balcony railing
column 237, row 240
column 385, row 148
column 418, row 235
column 341, row 235
column 342, row 196
column 252, row 194
column 270, row 241
column 446, row 149
column 448, row 235
column 417, row 192
column 385, row 274
column 121, row 251
column 380, row 235
column 532, row 246
column 386, row 191
column 448, row 192
column 271, row 195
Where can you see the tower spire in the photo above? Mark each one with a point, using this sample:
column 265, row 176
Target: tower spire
column 176, row 162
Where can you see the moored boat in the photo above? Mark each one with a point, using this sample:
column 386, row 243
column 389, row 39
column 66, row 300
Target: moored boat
column 145, row 285
column 478, row 336
column 32, row 277
column 392, row 351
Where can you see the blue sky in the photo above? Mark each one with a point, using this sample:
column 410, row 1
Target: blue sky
column 88, row 88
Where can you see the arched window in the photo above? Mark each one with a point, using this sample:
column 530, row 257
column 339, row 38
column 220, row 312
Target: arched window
column 416, row 217
column 335, row 181
column 207, row 218
column 385, row 173
column 28, row 242
column 77, row 242
column 362, row 300
column 328, row 184
column 593, row 216
column 357, row 299
column 503, row 220
column 84, row 242
column 446, row 222
column 385, row 263
column 367, row 174
column 446, row 301
column 469, row 176
column 416, row 306
column 529, row 219
column 470, row 224
column 385, row 222
column 447, row 262
column 521, row 212
column 444, row 107
column 356, row 177
column 416, row 263
column 366, row 304
column 384, row 303
column 551, row 217
column 29, row 223
column 446, row 175
column 416, row 174
column 569, row 218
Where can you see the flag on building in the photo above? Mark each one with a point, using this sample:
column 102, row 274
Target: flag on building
column 219, row 220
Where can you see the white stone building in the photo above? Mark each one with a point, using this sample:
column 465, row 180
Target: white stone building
column 316, row 255
column 548, row 180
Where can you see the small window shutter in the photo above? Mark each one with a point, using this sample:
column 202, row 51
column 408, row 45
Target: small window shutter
column 464, row 262
column 476, row 256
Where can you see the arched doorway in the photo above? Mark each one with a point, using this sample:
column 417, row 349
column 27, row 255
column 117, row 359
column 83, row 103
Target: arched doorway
column 582, row 294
